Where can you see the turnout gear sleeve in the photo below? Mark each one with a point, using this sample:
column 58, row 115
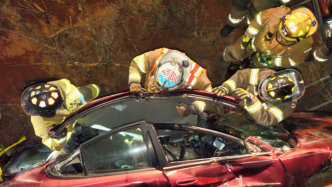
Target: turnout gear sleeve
column 323, row 52
column 268, row 114
column 141, row 65
column 239, row 80
column 203, row 83
column 42, row 126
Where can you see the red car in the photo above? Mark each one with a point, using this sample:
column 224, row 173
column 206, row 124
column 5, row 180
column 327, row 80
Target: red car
column 143, row 141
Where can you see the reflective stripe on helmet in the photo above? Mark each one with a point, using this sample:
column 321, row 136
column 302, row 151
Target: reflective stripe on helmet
column 140, row 62
column 292, row 62
column 259, row 18
column 254, row 107
column 252, row 30
column 253, row 76
column 200, row 105
column 318, row 58
column 231, row 84
column 277, row 113
column 277, row 61
column 234, row 20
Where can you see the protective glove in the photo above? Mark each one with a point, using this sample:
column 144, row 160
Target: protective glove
column 245, row 43
column 136, row 88
column 219, row 91
column 185, row 110
column 242, row 95
column 329, row 44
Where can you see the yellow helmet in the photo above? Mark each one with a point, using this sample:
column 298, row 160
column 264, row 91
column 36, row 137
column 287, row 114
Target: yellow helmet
column 298, row 24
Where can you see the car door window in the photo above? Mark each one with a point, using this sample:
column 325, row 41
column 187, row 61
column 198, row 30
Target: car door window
column 120, row 151
column 181, row 144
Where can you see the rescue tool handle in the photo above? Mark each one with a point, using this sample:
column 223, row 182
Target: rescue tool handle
column 186, row 181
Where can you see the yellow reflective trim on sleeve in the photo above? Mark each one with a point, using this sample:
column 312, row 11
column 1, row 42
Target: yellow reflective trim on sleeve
column 135, row 76
column 277, row 113
column 75, row 95
column 231, row 84
column 254, row 107
column 285, row 1
column 253, row 44
column 67, row 82
column 234, row 20
column 251, row 30
column 97, row 89
column 277, row 61
column 253, row 76
column 292, row 62
column 259, row 18
column 140, row 62
column 200, row 105
column 318, row 58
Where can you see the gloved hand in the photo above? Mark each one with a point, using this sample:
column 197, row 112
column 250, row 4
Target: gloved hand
column 329, row 44
column 246, row 40
column 219, row 91
column 136, row 88
column 243, row 95
column 185, row 110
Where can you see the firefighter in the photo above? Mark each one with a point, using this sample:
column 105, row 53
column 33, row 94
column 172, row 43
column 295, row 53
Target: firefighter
column 268, row 96
column 241, row 9
column 277, row 38
column 49, row 103
column 167, row 70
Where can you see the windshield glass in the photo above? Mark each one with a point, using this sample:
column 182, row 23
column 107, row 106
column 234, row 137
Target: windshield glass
column 152, row 109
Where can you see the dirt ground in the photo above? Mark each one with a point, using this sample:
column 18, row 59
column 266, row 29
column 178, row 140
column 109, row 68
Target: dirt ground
column 94, row 42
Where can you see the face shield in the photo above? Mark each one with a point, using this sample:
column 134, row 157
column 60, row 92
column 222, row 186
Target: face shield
column 296, row 93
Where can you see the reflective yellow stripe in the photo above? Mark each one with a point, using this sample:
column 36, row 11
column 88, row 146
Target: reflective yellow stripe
column 135, row 77
column 291, row 62
column 231, row 84
column 254, row 107
column 67, row 85
column 97, row 89
column 234, row 20
column 253, row 76
column 318, row 58
column 285, row 1
column 277, row 113
column 259, row 18
column 140, row 62
column 251, row 30
column 253, row 44
column 75, row 95
column 200, row 105
column 49, row 142
column 248, row 21
column 277, row 61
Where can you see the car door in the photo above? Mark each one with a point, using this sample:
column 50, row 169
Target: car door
column 191, row 153
column 200, row 157
column 122, row 157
